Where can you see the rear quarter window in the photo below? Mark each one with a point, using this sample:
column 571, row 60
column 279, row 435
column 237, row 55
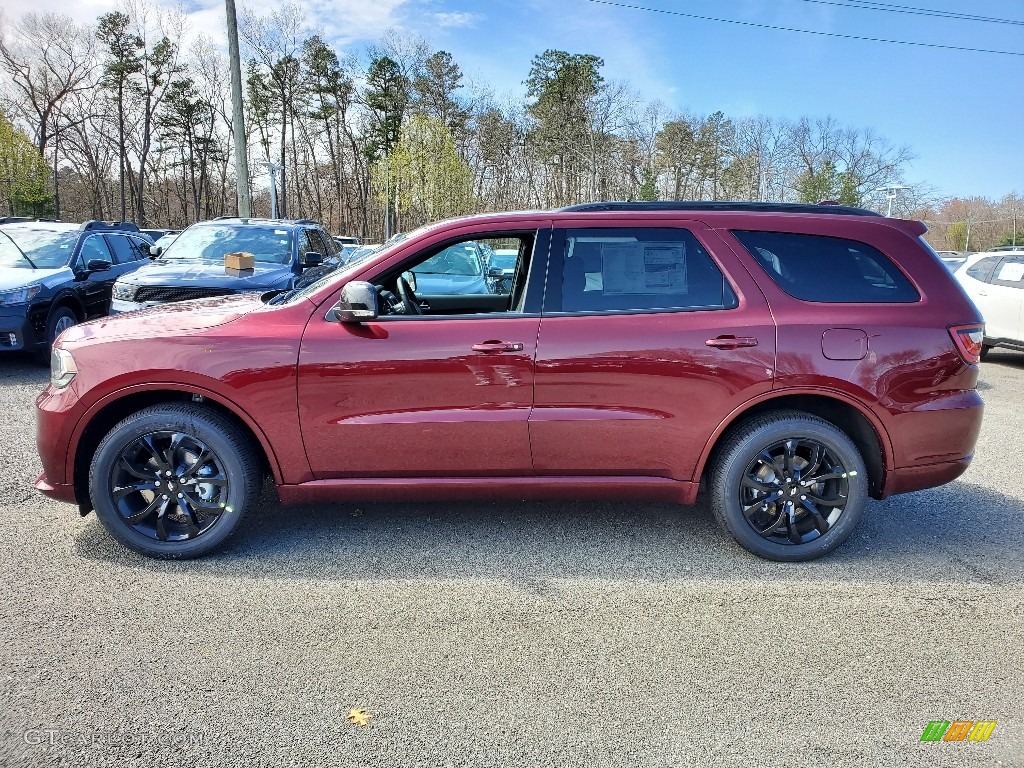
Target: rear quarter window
column 828, row 269
column 982, row 269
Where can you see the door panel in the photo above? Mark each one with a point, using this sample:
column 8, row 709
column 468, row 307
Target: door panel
column 97, row 287
column 1002, row 300
column 410, row 397
column 641, row 393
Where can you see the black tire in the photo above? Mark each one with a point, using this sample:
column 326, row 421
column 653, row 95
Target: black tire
column 60, row 318
column 55, row 323
column 985, row 349
column 214, row 479
column 806, row 521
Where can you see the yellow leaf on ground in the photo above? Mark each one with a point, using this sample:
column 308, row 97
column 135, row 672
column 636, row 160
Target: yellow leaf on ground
column 359, row 716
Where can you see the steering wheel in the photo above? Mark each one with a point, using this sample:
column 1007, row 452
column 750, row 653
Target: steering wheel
column 390, row 304
column 412, row 307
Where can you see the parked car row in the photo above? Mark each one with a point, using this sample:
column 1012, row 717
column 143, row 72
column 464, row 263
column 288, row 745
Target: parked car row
column 54, row 275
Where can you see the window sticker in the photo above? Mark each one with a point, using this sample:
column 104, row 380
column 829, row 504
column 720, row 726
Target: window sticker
column 644, row 268
column 1012, row 272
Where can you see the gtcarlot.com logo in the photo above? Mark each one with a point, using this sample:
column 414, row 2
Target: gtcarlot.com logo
column 958, row 730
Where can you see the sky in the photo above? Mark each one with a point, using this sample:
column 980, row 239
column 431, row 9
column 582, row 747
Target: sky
column 961, row 112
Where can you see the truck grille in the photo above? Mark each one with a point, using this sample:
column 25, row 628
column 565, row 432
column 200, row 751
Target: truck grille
column 146, row 293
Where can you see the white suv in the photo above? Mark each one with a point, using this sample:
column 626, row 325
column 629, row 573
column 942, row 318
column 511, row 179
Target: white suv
column 995, row 282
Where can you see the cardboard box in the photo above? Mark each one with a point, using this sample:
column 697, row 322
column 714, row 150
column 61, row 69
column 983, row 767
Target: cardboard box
column 239, row 261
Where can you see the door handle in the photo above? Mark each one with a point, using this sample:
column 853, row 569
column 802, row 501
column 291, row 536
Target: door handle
column 498, row 346
column 731, row 342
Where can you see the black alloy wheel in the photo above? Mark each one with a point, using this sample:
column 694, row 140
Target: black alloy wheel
column 174, row 480
column 169, row 486
column 788, row 485
column 794, row 491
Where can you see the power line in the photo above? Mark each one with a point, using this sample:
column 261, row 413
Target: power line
column 805, row 31
column 869, row 5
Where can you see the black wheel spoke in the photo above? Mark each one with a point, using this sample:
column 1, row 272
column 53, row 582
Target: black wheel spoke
column 766, row 458
column 780, row 518
column 750, row 482
column 790, row 457
column 191, row 518
column 814, row 462
column 819, row 520
column 140, row 474
column 207, row 507
column 155, row 452
column 169, row 453
column 138, row 517
column 201, row 460
column 791, row 526
column 161, row 526
column 809, row 481
column 827, row 501
column 120, row 493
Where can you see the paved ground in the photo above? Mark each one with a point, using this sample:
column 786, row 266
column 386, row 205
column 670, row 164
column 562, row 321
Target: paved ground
column 525, row 634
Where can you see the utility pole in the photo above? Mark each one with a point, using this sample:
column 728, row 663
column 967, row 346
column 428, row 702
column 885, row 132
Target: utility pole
column 238, row 117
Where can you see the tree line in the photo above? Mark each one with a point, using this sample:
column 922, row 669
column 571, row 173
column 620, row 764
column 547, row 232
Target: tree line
column 121, row 120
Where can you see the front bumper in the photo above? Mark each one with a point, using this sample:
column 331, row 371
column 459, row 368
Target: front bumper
column 57, row 491
column 17, row 331
column 120, row 306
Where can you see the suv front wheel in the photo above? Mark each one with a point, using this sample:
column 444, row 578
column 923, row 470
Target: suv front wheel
column 788, row 486
column 173, row 481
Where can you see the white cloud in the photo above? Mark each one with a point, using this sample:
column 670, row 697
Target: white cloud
column 340, row 20
column 457, row 19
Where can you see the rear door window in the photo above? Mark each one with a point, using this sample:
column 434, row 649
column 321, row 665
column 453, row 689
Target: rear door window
column 638, row 269
column 1010, row 272
column 828, row 269
column 126, row 249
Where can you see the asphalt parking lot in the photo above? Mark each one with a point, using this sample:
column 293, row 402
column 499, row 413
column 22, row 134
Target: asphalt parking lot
column 515, row 634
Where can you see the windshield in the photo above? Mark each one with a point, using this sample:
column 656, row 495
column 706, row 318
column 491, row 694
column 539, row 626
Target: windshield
column 372, row 250
column 461, row 259
column 359, row 254
column 46, row 249
column 210, row 242
column 504, row 260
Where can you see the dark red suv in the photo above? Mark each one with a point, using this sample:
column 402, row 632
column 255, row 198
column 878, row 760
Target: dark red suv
column 793, row 359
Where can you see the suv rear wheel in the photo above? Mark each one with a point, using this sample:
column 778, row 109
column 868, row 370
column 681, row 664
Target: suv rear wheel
column 788, row 486
column 173, row 481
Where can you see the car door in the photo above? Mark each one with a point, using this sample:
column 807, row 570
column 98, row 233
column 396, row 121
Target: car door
column 95, row 287
column 1003, row 304
column 651, row 335
column 440, row 394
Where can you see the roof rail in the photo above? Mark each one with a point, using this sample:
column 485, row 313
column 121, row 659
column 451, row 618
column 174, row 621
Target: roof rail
column 715, row 205
column 108, row 226
column 306, row 221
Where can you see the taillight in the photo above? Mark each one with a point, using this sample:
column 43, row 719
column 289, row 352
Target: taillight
column 968, row 340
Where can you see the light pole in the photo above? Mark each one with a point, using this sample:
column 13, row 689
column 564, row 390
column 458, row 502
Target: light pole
column 891, row 191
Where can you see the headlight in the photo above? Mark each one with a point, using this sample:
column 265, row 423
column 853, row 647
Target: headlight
column 124, row 291
column 62, row 368
column 19, row 295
